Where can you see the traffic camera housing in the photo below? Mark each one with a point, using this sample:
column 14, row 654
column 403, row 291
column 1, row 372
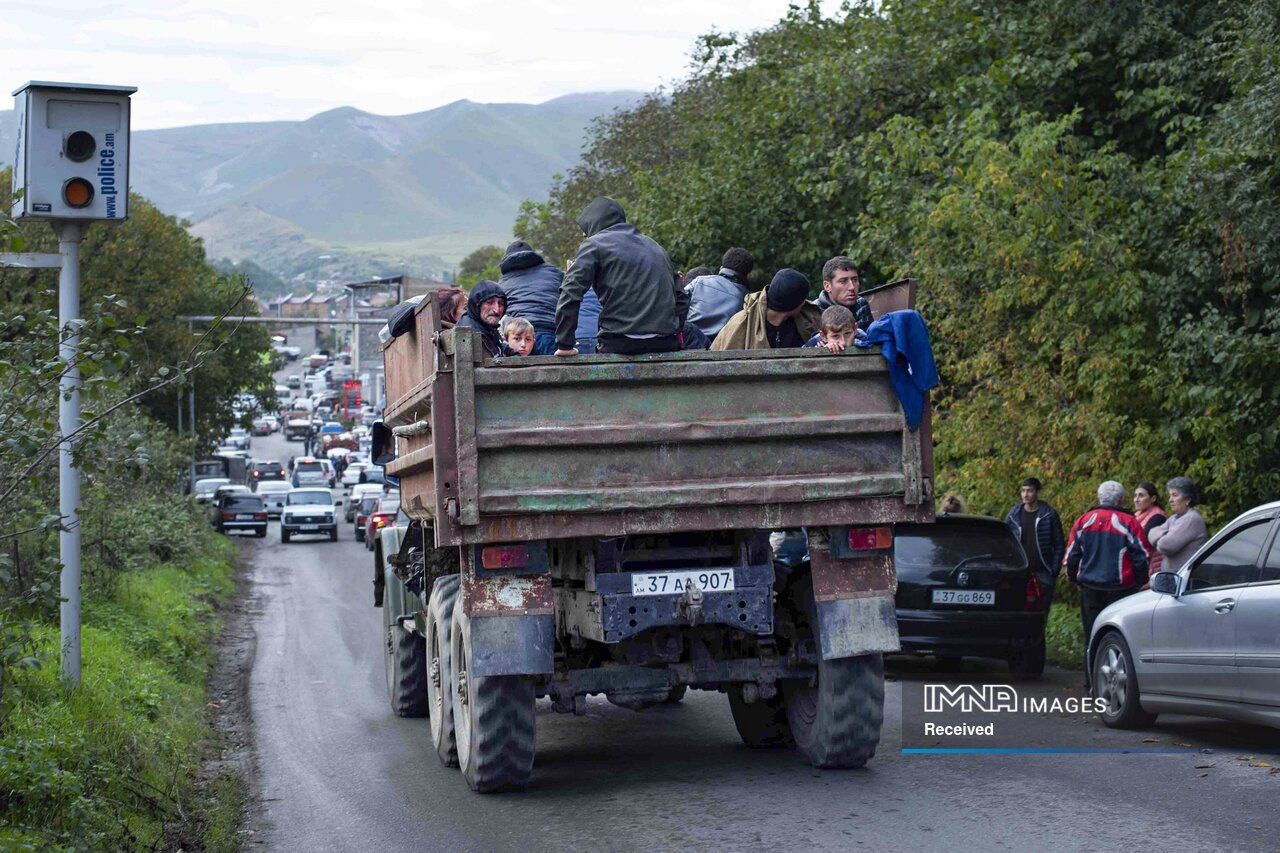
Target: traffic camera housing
column 72, row 159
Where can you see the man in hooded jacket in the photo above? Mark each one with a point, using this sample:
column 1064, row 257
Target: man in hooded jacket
column 642, row 305
column 485, row 307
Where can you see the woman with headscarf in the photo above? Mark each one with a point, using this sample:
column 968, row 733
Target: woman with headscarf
column 1185, row 531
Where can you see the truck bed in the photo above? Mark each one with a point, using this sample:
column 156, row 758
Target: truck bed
column 517, row 449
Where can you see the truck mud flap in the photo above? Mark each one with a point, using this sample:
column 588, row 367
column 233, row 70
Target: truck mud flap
column 512, row 645
column 855, row 605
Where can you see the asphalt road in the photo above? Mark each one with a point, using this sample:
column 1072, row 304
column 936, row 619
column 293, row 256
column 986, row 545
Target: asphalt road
column 339, row 772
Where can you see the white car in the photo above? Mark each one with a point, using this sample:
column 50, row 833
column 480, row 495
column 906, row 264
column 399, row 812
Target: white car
column 273, row 494
column 1202, row 640
column 308, row 512
column 204, row 489
column 351, row 474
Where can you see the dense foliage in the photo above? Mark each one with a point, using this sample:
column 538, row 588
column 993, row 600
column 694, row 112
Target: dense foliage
column 111, row 765
column 1087, row 190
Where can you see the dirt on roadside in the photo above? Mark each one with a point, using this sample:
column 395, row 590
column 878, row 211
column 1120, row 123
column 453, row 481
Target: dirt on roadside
column 232, row 760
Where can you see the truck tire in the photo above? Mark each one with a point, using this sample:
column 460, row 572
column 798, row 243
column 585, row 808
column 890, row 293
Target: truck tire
column 406, row 659
column 439, row 669
column 836, row 721
column 761, row 724
column 493, row 718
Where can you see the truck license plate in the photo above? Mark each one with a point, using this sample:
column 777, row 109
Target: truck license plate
column 667, row 583
column 981, row 597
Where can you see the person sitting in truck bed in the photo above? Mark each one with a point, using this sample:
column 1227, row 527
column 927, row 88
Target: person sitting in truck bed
column 518, row 334
column 642, row 305
column 775, row 318
column 532, row 286
column 485, row 307
column 839, row 330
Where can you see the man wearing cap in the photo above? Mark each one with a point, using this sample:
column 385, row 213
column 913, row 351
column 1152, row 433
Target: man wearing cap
column 774, row 318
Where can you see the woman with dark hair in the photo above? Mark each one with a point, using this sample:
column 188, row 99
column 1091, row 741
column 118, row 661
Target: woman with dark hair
column 1185, row 531
column 1150, row 514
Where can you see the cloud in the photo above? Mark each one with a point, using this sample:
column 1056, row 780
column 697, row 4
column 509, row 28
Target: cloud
column 199, row 61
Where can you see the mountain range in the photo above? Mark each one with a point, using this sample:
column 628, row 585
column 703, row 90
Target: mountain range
column 349, row 193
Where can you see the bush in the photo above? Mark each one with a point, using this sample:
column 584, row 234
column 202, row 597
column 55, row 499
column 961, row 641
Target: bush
column 110, row 765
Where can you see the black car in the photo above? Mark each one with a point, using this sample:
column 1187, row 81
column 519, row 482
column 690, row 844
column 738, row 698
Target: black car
column 240, row 512
column 964, row 589
column 266, row 470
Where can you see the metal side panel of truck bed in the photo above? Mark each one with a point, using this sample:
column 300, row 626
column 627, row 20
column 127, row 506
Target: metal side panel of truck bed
column 520, row 449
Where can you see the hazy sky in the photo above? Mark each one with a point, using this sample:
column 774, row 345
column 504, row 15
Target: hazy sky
column 199, row 61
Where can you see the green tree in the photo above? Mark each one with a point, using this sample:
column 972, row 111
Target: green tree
column 480, row 264
column 1085, row 189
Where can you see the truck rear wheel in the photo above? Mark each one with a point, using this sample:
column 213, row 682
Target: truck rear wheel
column 406, row 659
column 836, row 723
column 761, row 724
column 836, row 720
column 439, row 670
column 493, row 720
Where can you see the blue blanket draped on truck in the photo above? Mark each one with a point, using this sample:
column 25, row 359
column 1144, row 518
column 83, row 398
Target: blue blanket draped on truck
column 904, row 342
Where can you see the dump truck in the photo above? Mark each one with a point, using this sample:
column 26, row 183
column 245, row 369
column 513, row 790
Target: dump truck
column 600, row 526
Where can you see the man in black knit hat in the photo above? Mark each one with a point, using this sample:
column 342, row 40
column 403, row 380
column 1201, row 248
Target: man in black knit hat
column 775, row 318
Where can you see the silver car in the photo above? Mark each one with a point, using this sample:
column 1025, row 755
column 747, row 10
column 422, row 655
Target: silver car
column 273, row 494
column 1204, row 640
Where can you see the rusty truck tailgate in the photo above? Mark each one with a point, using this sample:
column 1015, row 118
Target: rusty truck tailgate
column 542, row 448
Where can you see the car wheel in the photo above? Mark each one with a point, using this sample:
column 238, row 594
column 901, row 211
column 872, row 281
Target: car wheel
column 1116, row 683
column 261, row 534
column 284, row 536
column 359, row 534
column 1027, row 663
column 333, row 534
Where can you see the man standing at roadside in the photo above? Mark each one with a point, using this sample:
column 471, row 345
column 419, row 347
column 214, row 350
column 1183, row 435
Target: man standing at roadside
column 1107, row 557
column 643, row 306
column 1038, row 528
column 840, row 284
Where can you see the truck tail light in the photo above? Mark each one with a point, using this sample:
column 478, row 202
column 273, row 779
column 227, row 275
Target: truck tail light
column 870, row 538
column 505, row 557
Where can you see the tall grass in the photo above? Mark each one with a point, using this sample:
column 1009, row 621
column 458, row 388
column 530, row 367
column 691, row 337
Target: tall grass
column 111, row 765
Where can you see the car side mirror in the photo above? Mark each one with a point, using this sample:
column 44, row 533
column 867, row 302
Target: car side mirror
column 1165, row 583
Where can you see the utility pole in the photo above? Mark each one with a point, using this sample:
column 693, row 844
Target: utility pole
column 69, row 236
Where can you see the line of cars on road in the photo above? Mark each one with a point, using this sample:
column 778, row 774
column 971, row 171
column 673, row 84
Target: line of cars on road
column 304, row 507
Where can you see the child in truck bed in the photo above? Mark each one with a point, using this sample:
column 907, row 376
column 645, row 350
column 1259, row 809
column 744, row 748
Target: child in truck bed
column 838, row 330
column 518, row 334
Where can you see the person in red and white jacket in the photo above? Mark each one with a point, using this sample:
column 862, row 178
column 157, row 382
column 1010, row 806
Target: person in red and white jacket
column 1107, row 556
